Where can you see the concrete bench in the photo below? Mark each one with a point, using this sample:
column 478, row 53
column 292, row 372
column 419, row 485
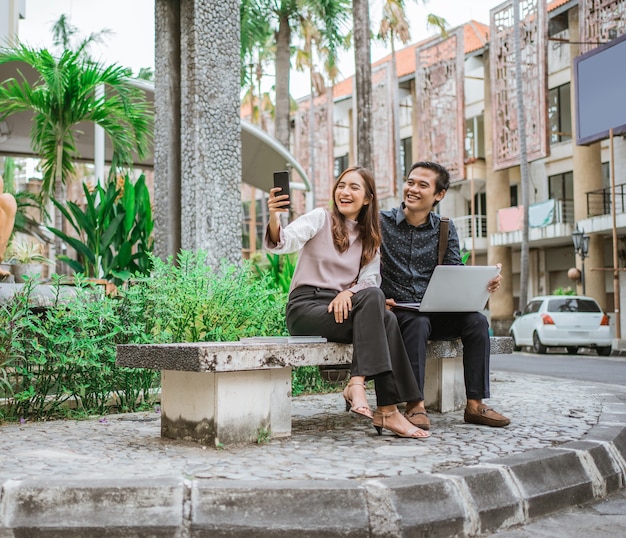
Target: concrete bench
column 230, row 392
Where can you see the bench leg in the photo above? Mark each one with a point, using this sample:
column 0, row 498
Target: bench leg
column 227, row 407
column 444, row 388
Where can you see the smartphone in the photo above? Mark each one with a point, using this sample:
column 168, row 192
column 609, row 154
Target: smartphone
column 281, row 179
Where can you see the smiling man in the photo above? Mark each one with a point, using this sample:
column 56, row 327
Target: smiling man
column 409, row 254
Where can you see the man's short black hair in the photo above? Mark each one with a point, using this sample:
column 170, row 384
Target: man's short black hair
column 443, row 176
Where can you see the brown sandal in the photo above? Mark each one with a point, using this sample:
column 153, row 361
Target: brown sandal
column 360, row 408
column 380, row 420
column 414, row 418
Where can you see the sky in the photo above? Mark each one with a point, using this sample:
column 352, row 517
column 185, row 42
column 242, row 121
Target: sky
column 132, row 22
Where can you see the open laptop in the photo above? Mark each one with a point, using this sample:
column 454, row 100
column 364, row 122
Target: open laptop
column 456, row 288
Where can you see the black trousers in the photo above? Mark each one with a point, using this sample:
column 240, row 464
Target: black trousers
column 473, row 329
column 379, row 352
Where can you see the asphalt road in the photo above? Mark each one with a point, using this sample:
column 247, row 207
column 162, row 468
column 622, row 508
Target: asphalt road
column 583, row 366
column 607, row 517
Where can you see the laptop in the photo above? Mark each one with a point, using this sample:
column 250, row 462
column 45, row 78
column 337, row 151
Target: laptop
column 456, row 288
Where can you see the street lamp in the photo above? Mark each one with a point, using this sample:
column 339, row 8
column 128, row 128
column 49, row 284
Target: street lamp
column 581, row 247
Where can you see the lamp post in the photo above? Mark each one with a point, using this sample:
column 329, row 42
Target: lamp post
column 581, row 247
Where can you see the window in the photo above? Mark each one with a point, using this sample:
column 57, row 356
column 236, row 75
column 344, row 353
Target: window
column 474, row 138
column 513, row 191
column 561, row 186
column 560, row 114
column 606, row 175
column 406, row 154
column 341, row 163
column 532, row 307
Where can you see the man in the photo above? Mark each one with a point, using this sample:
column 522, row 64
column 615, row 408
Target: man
column 409, row 254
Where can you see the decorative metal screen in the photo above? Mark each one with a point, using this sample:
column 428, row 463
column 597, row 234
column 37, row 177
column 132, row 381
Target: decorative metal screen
column 600, row 21
column 506, row 142
column 319, row 141
column 382, row 130
column 440, row 103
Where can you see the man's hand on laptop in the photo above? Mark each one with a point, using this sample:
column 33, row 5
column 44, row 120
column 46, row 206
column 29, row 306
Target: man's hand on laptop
column 390, row 303
column 494, row 283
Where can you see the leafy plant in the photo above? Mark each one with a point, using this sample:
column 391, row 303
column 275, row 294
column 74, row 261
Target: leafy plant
column 27, row 252
column 62, row 360
column 279, row 269
column 191, row 302
column 114, row 231
column 564, row 291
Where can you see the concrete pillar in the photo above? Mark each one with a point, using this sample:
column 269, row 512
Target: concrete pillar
column 587, row 162
column 197, row 136
column 167, row 129
column 497, row 188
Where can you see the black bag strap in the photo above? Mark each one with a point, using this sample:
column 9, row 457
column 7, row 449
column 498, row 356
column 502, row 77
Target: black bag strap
column 443, row 237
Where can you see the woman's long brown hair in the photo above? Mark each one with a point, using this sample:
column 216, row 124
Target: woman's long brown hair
column 368, row 219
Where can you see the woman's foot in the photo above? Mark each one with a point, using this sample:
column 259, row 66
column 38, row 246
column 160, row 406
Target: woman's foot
column 356, row 399
column 397, row 423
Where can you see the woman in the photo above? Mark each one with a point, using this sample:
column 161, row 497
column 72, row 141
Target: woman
column 335, row 293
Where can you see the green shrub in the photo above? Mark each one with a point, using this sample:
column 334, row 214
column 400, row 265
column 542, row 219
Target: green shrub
column 190, row 302
column 60, row 360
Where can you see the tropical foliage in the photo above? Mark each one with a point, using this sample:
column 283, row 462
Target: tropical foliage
column 64, row 92
column 62, row 360
column 262, row 19
column 114, row 231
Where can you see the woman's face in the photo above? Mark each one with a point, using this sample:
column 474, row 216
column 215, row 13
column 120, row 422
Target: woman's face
column 351, row 195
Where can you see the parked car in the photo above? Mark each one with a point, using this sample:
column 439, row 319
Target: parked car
column 570, row 321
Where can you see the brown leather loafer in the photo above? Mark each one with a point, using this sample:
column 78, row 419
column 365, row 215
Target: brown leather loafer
column 419, row 419
column 486, row 416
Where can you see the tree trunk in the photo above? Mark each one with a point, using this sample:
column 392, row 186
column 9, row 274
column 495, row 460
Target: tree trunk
column 521, row 119
column 363, row 82
column 59, row 196
column 282, row 67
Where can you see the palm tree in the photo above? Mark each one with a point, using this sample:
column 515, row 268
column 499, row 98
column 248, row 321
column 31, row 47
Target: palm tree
column 62, row 95
column 521, row 122
column 283, row 17
column 363, row 81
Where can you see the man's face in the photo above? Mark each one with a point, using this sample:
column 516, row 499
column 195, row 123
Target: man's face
column 419, row 190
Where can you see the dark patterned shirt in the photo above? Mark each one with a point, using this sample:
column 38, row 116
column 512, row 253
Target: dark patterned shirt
column 409, row 254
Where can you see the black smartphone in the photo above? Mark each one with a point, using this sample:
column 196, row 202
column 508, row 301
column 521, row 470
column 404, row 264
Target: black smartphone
column 281, row 179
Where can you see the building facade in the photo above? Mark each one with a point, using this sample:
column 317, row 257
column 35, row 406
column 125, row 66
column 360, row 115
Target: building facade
column 453, row 100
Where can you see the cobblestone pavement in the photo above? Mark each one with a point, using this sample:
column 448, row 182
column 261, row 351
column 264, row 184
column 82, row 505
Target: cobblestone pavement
column 326, row 442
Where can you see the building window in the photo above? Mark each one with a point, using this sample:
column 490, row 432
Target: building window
column 606, row 175
column 474, row 138
column 560, row 114
column 513, row 191
column 406, row 154
column 341, row 163
column 561, row 189
column 561, row 186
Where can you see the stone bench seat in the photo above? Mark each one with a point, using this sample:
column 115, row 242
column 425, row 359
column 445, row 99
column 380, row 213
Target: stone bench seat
column 231, row 392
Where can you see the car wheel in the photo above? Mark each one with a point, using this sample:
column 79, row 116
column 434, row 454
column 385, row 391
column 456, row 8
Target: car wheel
column 572, row 350
column 538, row 347
column 604, row 351
column 516, row 346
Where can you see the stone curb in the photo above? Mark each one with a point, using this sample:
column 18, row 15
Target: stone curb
column 465, row 501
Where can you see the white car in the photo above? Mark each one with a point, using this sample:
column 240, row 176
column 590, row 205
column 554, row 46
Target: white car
column 570, row 321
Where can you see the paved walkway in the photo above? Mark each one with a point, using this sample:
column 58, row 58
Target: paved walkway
column 330, row 452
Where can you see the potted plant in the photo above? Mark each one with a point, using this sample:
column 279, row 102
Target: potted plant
column 27, row 259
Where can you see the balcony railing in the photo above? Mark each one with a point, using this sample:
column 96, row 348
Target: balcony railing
column 463, row 226
column 599, row 201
